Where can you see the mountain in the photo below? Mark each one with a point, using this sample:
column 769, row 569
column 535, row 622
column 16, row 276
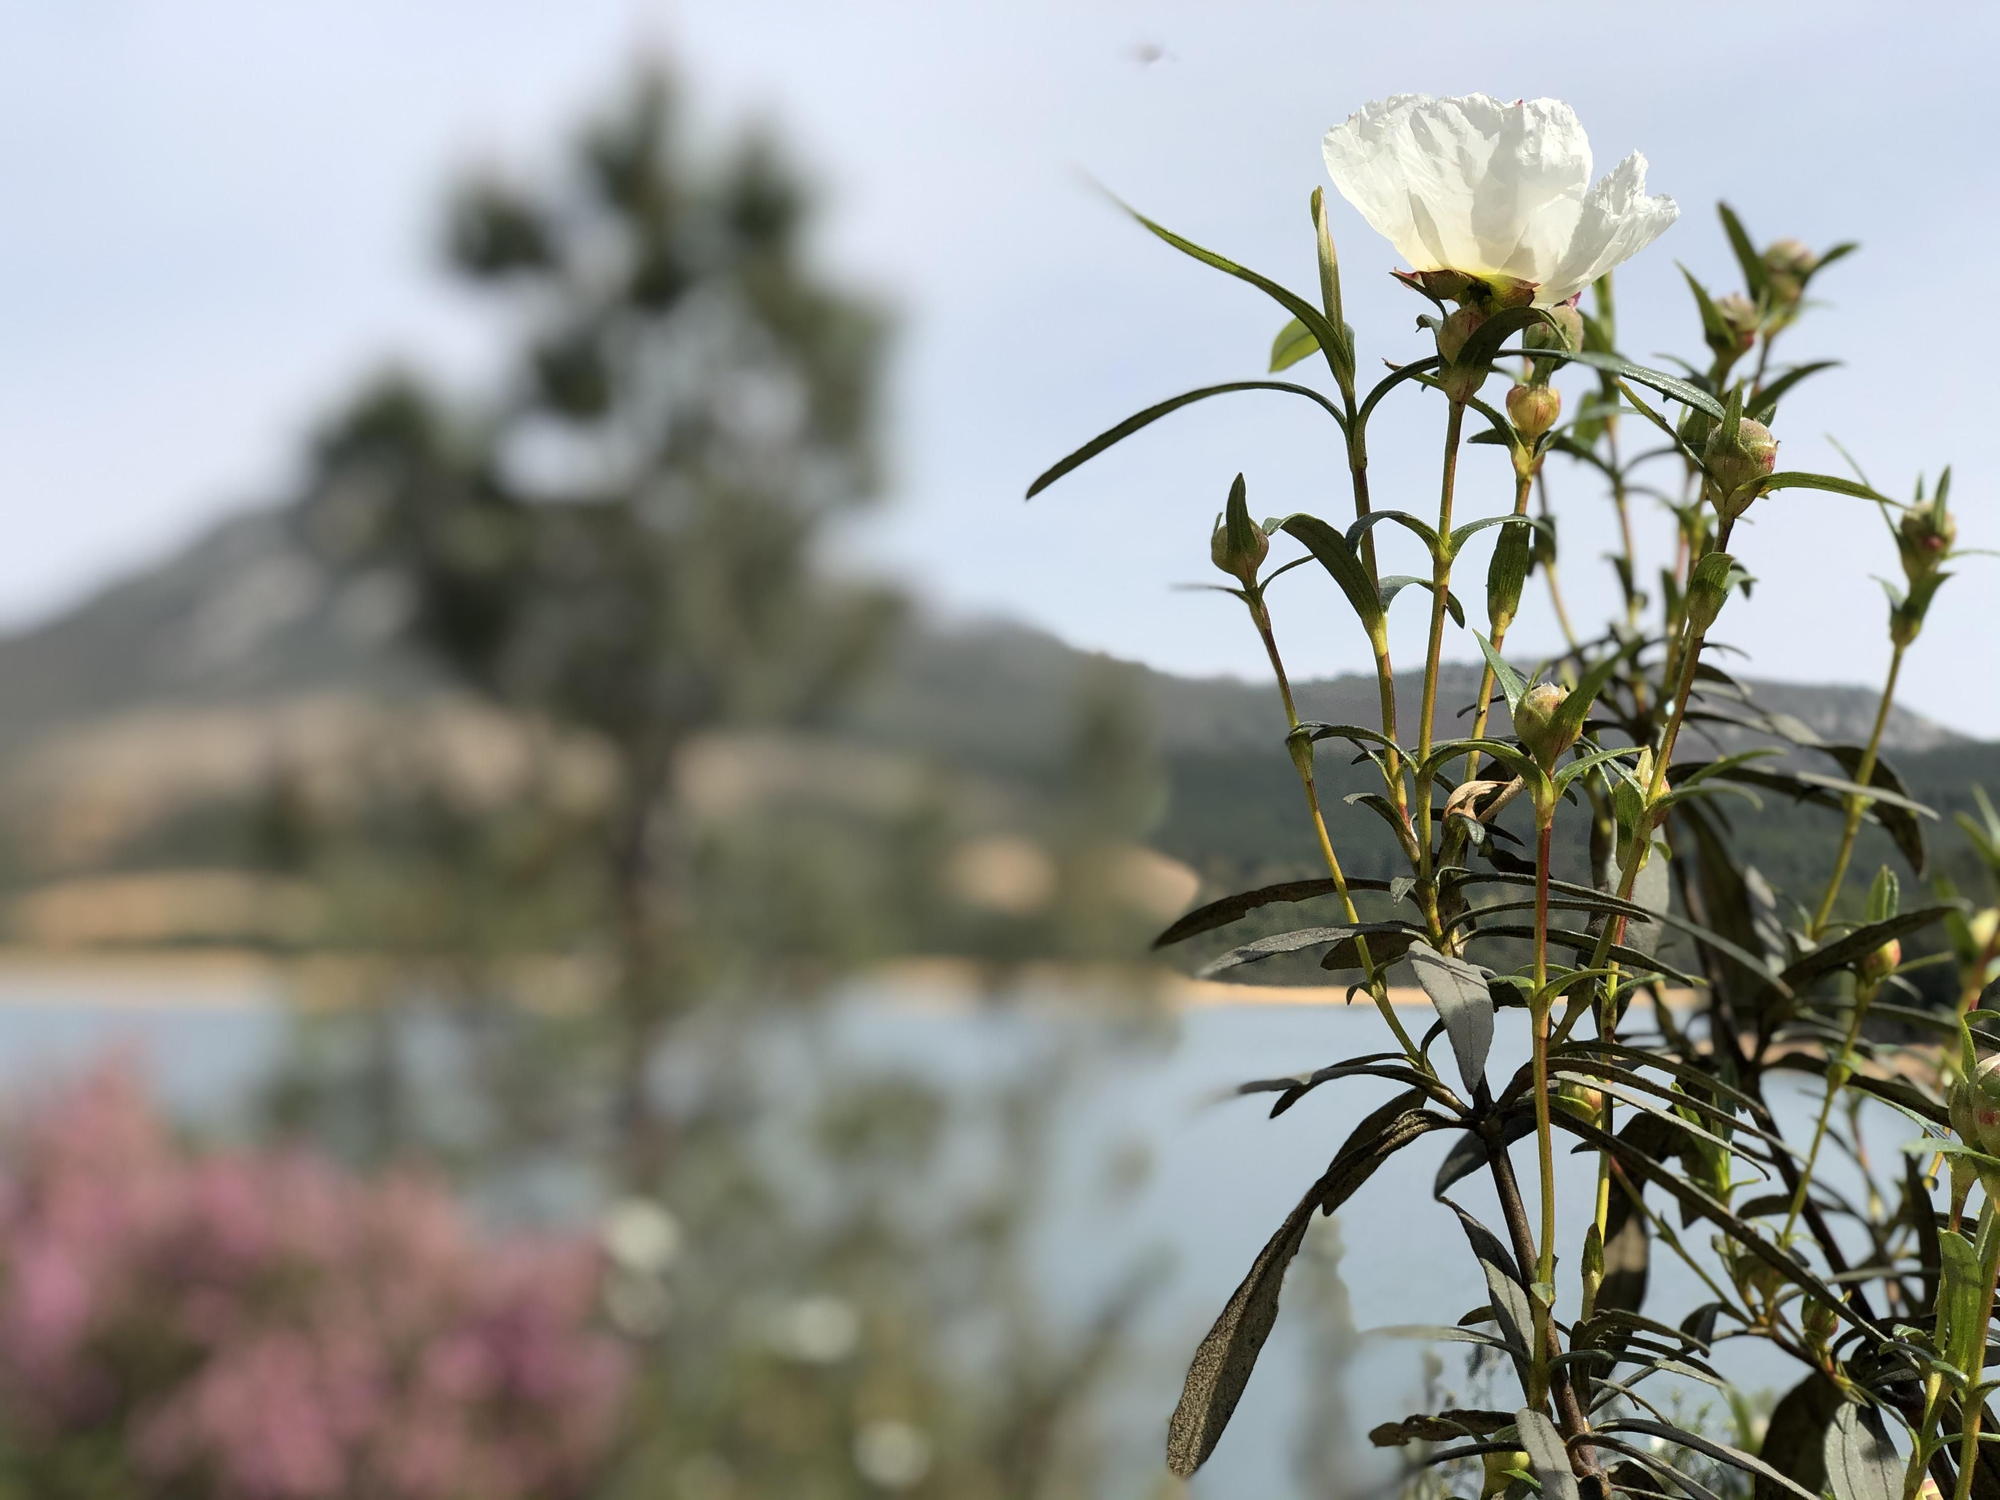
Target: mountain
column 243, row 640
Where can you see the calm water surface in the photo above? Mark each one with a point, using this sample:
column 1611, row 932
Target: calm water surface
column 1220, row 1177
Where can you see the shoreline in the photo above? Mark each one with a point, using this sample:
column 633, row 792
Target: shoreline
column 237, row 978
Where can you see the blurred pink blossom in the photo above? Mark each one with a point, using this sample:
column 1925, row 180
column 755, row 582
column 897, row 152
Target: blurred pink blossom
column 276, row 1328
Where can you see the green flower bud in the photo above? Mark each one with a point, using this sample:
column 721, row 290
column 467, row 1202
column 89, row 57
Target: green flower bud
column 1736, row 469
column 1739, row 316
column 1879, row 965
column 1923, row 537
column 1787, row 264
column 1819, row 1323
column 1498, row 1467
column 1534, row 409
column 1579, row 1100
column 1456, row 329
column 1239, row 564
column 1567, row 332
column 1975, row 1108
column 1535, row 725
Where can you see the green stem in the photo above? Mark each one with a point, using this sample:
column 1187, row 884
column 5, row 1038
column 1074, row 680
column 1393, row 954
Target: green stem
column 1498, row 626
column 1971, row 1407
column 1441, row 592
column 1857, row 805
column 1545, row 1269
column 1836, row 1075
column 1302, row 761
column 1441, row 579
column 1545, row 1262
column 1385, row 673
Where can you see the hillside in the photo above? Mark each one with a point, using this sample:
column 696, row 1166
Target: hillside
column 240, row 657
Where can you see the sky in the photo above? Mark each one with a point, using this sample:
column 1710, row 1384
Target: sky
column 221, row 214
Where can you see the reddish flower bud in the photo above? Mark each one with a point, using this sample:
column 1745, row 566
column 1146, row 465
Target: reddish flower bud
column 1739, row 316
column 1459, row 326
column 1534, row 409
column 1735, row 469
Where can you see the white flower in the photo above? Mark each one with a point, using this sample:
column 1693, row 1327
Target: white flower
column 1493, row 189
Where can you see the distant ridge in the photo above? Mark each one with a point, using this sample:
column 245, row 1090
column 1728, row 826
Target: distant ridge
column 244, row 615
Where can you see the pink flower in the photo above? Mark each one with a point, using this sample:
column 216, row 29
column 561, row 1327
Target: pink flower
column 278, row 1329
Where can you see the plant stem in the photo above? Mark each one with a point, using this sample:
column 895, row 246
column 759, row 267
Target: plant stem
column 1836, row 1075
column 1857, row 805
column 1925, row 1445
column 1441, row 592
column 1302, row 761
column 1484, row 702
column 1385, row 673
column 1570, row 1415
column 1544, row 1141
column 1971, row 1407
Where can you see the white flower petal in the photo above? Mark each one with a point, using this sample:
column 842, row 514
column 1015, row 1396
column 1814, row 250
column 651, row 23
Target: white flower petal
column 1617, row 222
column 1525, row 208
column 1493, row 189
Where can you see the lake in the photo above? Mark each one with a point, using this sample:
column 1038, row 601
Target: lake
column 1221, row 1177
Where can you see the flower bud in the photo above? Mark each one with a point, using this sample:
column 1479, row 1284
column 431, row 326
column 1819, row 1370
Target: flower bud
column 1535, row 725
column 1241, row 564
column 1579, row 1100
column 1461, row 383
column 1787, row 263
column 1880, row 964
column 1459, row 326
column 1735, row 469
column 1819, row 1323
column 1564, row 330
column 1923, row 537
column 1739, row 316
column 1973, row 1107
column 1499, row 1468
column 1534, row 409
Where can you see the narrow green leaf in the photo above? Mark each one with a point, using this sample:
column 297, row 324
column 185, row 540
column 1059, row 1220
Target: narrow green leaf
column 1292, row 942
column 1153, row 414
column 1297, row 306
column 1714, row 327
column 1231, row 908
column 1226, row 1357
column 1397, row 582
column 1884, row 895
column 1547, row 1456
column 1510, row 681
column 1576, row 707
column 1861, row 1462
column 1791, row 479
column 1414, row 524
column 1458, row 990
column 1461, row 534
column 1672, row 386
column 1242, row 531
column 1294, row 342
column 1337, row 555
column 1341, row 357
column 1765, row 406
column 1755, row 277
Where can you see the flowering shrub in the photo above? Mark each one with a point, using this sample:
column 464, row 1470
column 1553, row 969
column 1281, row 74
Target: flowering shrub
column 1882, row 1299
column 261, row 1325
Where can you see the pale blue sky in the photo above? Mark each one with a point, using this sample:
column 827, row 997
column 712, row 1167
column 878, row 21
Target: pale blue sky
column 220, row 212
